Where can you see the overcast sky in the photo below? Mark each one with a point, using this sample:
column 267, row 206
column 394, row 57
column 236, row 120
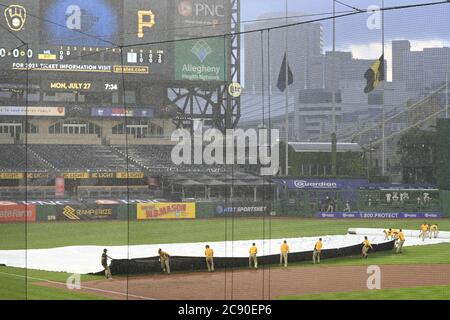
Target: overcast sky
column 423, row 26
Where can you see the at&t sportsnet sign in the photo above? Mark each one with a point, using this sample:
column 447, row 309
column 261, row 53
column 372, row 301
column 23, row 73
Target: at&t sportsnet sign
column 379, row 215
column 242, row 210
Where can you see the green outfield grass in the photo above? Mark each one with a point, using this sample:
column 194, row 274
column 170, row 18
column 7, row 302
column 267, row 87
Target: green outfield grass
column 416, row 293
column 430, row 254
column 16, row 285
column 109, row 233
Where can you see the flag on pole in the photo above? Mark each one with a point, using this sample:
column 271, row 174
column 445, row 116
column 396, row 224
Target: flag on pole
column 374, row 75
column 281, row 84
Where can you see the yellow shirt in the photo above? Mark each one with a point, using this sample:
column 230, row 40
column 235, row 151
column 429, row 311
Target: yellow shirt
column 253, row 250
column 164, row 255
column 434, row 227
column 367, row 244
column 284, row 247
column 424, row 227
column 388, row 232
column 318, row 246
column 401, row 236
column 209, row 253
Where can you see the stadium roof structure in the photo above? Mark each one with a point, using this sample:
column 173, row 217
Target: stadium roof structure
column 215, row 182
column 190, row 183
column 325, row 147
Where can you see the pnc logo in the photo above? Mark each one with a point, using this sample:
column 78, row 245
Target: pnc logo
column 16, row 17
column 187, row 8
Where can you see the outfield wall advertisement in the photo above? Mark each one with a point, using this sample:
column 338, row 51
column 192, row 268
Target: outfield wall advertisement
column 243, row 210
column 166, row 210
column 17, row 213
column 86, row 212
column 379, row 215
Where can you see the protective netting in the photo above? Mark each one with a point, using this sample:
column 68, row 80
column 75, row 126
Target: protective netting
column 95, row 97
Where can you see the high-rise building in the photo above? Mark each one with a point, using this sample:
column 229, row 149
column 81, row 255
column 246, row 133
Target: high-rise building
column 305, row 43
column 422, row 71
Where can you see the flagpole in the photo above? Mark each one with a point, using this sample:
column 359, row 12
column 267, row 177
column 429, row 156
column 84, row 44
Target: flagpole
column 446, row 94
column 383, row 145
column 287, row 95
column 333, row 99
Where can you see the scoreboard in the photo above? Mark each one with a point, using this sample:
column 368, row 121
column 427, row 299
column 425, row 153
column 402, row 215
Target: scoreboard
column 94, row 38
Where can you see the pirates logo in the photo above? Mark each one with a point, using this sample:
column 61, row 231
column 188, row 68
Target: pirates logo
column 15, row 17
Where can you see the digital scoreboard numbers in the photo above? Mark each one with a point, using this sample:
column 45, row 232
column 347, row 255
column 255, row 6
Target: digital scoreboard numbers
column 85, row 37
column 85, row 59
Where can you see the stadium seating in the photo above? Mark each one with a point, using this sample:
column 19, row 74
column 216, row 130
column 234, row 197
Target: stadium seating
column 157, row 158
column 83, row 157
column 68, row 139
column 15, row 157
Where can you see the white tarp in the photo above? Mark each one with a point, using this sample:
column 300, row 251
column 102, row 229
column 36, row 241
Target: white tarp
column 410, row 235
column 86, row 259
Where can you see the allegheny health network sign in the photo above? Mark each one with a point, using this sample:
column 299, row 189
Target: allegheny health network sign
column 200, row 60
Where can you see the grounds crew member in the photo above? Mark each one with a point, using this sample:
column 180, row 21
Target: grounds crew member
column 317, row 250
column 284, row 253
column 434, row 231
column 164, row 259
column 388, row 234
column 395, row 233
column 252, row 257
column 209, row 256
column 423, row 230
column 400, row 241
column 104, row 260
column 366, row 246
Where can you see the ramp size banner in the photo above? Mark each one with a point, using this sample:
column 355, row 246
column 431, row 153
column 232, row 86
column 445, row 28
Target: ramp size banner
column 87, row 212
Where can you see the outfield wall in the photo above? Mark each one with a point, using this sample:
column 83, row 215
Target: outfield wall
column 444, row 196
column 115, row 210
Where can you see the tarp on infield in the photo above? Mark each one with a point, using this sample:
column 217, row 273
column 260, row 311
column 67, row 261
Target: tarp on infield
column 185, row 256
column 186, row 263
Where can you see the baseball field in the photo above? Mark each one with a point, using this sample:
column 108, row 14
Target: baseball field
column 420, row 272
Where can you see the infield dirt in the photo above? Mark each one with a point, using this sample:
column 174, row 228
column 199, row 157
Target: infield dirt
column 264, row 283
